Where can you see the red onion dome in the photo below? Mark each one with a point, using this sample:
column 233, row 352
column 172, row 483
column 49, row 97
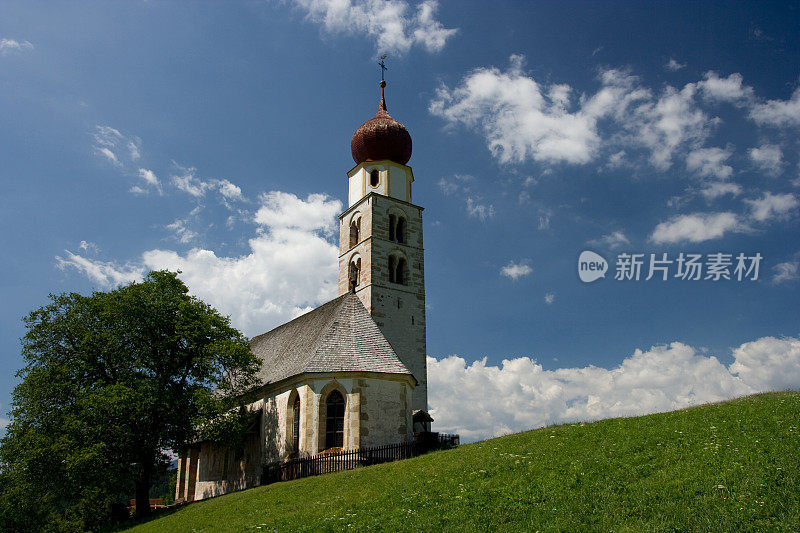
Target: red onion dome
column 381, row 137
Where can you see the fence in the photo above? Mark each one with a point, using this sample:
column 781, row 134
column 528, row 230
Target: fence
column 326, row 463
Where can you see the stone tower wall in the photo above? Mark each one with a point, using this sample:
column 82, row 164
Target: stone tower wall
column 398, row 310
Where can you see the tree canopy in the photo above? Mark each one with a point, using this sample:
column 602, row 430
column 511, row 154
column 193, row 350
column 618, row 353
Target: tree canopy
column 112, row 381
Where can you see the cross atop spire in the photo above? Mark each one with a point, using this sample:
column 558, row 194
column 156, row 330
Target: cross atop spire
column 384, row 68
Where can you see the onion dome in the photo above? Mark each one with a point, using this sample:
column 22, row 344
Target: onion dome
column 381, row 137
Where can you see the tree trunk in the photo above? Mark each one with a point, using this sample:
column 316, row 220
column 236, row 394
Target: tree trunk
column 143, row 489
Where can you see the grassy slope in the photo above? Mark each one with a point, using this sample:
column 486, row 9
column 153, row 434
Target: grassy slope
column 722, row 467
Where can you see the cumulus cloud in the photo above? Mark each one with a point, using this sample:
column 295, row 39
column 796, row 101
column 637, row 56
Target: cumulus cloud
column 479, row 400
column 716, row 189
column 523, row 119
column 778, row 112
column 768, row 158
column 771, row 206
column 291, row 266
column 730, row 89
column 515, row 271
column 520, row 118
column 710, row 162
column 697, row 227
column 392, row 24
column 9, row 46
column 613, row 240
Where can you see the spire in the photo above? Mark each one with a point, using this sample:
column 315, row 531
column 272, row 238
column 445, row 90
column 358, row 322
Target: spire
column 382, row 104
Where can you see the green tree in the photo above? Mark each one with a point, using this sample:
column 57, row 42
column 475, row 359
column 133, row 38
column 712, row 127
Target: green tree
column 111, row 382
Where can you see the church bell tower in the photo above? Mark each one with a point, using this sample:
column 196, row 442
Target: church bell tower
column 380, row 245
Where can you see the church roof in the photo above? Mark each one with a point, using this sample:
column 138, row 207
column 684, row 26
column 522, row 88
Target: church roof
column 339, row 336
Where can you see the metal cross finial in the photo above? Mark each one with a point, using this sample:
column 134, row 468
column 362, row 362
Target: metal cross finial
column 382, row 63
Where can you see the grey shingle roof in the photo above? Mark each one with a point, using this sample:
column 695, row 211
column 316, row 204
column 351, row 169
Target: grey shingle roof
column 339, row 336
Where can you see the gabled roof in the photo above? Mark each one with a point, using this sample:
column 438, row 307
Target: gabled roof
column 339, row 336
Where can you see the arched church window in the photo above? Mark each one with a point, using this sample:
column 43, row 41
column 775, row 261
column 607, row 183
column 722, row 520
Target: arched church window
column 295, row 445
column 355, row 231
column 334, row 420
column 374, row 178
column 392, row 223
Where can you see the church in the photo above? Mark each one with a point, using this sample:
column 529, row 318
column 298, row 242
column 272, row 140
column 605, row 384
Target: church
column 351, row 373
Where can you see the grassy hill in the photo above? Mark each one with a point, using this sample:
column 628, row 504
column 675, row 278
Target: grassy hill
column 721, row 467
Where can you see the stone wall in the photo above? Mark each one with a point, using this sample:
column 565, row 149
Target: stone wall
column 377, row 412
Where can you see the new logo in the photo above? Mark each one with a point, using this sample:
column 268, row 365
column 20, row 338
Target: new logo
column 591, row 266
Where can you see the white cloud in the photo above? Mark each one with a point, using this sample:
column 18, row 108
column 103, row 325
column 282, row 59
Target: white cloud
column 788, row 271
column 188, row 182
column 479, row 400
column 8, row 46
column 104, row 273
column 612, row 240
column 291, row 266
column 519, row 118
column 666, row 124
column 522, row 119
column 514, row 270
column 182, row 231
column 549, row 298
column 772, row 206
column 768, row 158
column 710, row 162
column 778, row 112
column 134, row 148
column 482, row 212
column 697, row 227
column 108, row 154
column 768, row 363
column 674, row 66
column 388, row 22
column 716, row 189
column 87, row 246
column 229, row 190
column 730, row 89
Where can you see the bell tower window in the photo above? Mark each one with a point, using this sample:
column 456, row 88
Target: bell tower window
column 353, row 274
column 397, row 229
column 398, row 270
column 374, row 178
column 355, row 231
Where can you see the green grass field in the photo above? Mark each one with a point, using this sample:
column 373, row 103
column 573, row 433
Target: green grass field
column 732, row 466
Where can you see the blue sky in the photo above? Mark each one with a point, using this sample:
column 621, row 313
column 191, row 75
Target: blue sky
column 214, row 137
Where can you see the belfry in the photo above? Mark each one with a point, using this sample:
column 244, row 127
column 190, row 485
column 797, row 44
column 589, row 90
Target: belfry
column 380, row 246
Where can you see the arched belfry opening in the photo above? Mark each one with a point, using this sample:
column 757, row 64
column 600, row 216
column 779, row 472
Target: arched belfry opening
column 354, row 273
column 398, row 269
column 397, row 228
column 355, row 231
